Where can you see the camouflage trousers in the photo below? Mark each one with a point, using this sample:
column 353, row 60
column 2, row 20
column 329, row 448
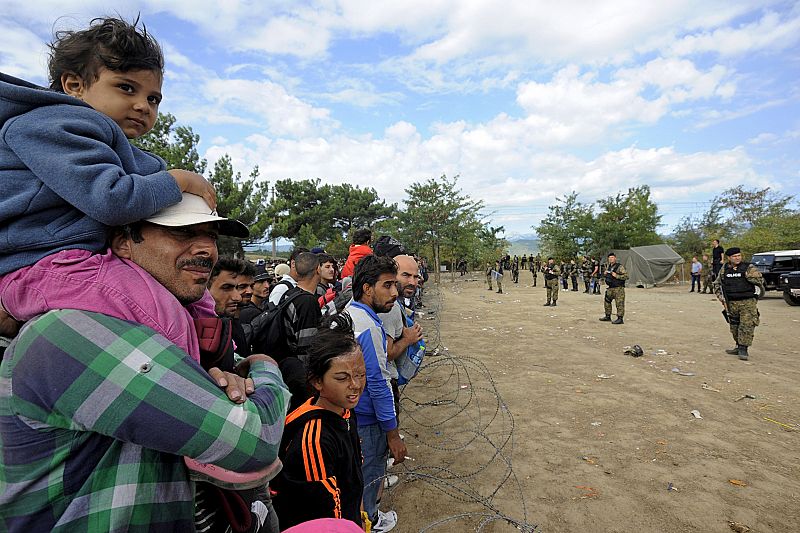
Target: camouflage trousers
column 489, row 280
column 743, row 316
column 618, row 294
column 552, row 289
column 707, row 280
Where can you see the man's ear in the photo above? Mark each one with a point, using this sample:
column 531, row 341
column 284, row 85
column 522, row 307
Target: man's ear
column 121, row 246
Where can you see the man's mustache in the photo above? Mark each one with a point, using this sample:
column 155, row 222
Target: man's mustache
column 202, row 262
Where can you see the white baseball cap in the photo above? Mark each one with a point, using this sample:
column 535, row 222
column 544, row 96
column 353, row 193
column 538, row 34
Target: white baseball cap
column 193, row 209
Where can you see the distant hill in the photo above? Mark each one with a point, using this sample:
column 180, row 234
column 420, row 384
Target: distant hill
column 525, row 243
column 524, row 246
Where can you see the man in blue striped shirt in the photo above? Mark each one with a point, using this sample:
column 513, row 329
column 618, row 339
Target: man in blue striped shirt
column 375, row 291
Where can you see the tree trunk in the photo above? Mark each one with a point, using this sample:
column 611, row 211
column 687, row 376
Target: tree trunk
column 438, row 271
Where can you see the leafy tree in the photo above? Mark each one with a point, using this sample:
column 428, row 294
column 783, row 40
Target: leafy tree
column 176, row 145
column 353, row 207
column 746, row 207
column 240, row 199
column 438, row 215
column 625, row 221
column 565, row 231
column 299, row 203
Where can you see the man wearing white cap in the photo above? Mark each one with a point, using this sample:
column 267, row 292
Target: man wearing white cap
column 102, row 404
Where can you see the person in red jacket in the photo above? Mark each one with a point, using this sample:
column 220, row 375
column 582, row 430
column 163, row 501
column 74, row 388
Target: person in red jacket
column 358, row 250
column 320, row 448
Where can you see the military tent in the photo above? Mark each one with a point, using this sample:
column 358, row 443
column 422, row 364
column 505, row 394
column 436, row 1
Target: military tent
column 649, row 265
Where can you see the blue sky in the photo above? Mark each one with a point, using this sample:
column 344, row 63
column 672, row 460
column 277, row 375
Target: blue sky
column 525, row 100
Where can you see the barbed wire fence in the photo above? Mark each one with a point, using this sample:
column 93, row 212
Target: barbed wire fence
column 461, row 432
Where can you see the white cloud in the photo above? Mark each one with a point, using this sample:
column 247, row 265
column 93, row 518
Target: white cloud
column 771, row 31
column 23, row 53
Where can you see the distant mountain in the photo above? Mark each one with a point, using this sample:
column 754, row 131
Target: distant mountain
column 515, row 237
column 524, row 246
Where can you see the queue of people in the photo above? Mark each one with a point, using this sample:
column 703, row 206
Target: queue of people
column 137, row 395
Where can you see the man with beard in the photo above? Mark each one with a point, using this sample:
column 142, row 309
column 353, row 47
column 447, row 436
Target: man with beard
column 230, row 280
column 375, row 291
column 398, row 336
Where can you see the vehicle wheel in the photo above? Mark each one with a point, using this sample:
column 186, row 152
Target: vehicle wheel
column 791, row 300
column 759, row 292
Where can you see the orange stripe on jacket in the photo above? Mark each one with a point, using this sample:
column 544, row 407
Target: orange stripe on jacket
column 330, row 486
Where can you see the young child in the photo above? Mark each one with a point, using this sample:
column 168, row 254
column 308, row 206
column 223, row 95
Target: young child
column 320, row 449
column 69, row 172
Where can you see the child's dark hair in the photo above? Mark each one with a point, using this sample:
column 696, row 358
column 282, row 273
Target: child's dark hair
column 334, row 338
column 368, row 270
column 109, row 43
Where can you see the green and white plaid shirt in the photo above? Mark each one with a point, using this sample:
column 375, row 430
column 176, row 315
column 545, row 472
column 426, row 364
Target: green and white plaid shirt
column 95, row 416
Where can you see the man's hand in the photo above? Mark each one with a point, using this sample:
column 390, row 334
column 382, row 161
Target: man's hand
column 236, row 387
column 194, row 183
column 413, row 334
column 8, row 326
column 396, row 446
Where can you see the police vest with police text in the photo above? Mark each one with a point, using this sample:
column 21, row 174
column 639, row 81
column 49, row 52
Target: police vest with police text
column 735, row 284
column 611, row 281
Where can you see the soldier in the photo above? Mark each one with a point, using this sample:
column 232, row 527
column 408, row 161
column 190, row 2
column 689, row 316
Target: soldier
column 615, row 289
column 515, row 270
column 564, row 275
column 498, row 266
column 595, row 276
column 551, row 273
column 489, row 275
column 708, row 275
column 535, row 265
column 524, row 261
column 573, row 274
column 735, row 287
column 586, row 272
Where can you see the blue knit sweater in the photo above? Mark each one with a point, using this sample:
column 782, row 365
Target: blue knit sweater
column 67, row 173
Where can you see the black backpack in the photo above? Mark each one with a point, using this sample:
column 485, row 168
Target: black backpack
column 266, row 332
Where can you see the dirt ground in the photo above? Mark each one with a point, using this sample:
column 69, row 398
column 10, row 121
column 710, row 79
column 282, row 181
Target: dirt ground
column 598, row 436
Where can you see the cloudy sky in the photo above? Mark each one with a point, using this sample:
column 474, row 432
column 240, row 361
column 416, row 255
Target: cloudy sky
column 525, row 100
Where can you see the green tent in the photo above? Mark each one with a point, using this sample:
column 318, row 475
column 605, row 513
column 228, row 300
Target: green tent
column 649, row 265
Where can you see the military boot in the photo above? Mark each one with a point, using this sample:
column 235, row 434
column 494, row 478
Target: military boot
column 553, row 304
column 743, row 352
column 733, row 351
column 618, row 320
column 547, row 304
column 606, row 318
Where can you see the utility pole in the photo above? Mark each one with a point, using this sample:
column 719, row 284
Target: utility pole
column 274, row 221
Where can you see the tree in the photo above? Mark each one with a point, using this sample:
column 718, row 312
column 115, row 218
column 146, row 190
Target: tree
column 565, row 231
column 176, row 145
column 437, row 214
column 626, row 221
column 242, row 200
column 353, row 207
column 746, row 207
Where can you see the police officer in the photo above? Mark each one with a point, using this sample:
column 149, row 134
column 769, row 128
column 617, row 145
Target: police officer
column 551, row 274
column 615, row 289
column 735, row 287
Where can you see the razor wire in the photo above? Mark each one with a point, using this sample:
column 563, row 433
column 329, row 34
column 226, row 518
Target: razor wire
column 454, row 411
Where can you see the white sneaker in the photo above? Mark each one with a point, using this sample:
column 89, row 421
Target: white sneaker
column 389, row 462
column 386, row 522
column 390, row 481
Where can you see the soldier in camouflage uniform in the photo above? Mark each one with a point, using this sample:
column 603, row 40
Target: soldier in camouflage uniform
column 708, row 275
column 551, row 274
column 735, row 287
column 586, row 271
column 536, row 266
column 596, row 276
column 615, row 289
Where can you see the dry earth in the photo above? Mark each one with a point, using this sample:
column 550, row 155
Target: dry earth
column 599, row 436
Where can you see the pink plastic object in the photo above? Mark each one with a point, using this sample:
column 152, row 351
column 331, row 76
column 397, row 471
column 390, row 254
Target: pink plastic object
column 228, row 479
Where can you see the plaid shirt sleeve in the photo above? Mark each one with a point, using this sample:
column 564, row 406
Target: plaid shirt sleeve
column 89, row 372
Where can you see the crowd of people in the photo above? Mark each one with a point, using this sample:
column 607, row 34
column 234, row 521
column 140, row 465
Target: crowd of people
column 148, row 384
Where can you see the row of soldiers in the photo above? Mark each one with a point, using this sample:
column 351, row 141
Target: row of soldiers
column 589, row 269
